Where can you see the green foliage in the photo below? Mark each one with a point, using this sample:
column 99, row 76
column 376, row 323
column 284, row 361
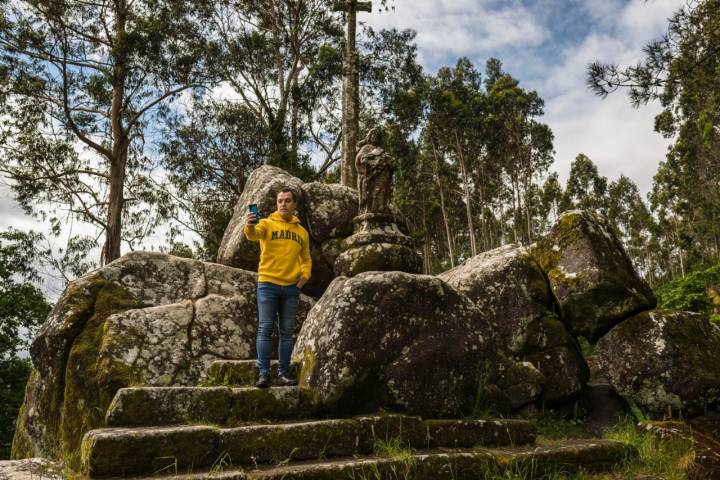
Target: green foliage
column 181, row 250
column 587, row 349
column 585, row 188
column 680, row 70
column 23, row 308
column 398, row 450
column 14, row 374
column 81, row 83
column 696, row 292
column 22, row 305
column 472, row 179
column 554, row 426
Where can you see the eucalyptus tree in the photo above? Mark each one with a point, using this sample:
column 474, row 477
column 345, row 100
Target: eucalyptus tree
column 631, row 216
column 208, row 157
column 680, row 70
column 585, row 188
column 269, row 55
column 452, row 129
column 521, row 144
column 81, row 84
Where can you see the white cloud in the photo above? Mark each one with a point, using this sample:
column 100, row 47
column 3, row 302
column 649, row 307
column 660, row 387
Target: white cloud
column 619, row 138
column 462, row 27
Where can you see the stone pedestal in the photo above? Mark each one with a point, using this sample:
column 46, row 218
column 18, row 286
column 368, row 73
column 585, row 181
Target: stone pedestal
column 377, row 245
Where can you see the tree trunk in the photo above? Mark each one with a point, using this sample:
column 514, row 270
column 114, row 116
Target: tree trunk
column 436, row 172
column 118, row 161
column 466, row 188
column 484, row 233
column 294, row 134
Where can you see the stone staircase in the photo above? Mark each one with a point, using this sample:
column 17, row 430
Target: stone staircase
column 230, row 432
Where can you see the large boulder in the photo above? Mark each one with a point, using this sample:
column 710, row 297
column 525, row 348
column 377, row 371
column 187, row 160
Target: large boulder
column 408, row 343
column 147, row 318
column 507, row 286
column 590, row 275
column 511, row 291
column 664, row 361
column 325, row 210
column 329, row 209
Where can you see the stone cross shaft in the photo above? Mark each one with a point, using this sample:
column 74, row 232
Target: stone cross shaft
column 350, row 90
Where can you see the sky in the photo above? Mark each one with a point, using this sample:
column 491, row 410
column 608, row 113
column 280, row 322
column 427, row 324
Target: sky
column 547, row 45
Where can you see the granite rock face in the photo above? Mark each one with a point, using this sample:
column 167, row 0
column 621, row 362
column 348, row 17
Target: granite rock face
column 405, row 342
column 508, row 287
column 590, row 275
column 325, row 210
column 665, row 361
column 148, row 319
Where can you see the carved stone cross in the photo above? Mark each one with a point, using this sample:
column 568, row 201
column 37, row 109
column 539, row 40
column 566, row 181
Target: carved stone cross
column 350, row 90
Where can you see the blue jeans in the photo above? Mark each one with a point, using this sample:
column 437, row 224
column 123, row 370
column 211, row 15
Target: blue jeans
column 276, row 301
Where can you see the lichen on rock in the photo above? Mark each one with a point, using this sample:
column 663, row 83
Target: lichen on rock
column 400, row 341
column 590, row 275
column 145, row 319
column 508, row 287
column 664, row 361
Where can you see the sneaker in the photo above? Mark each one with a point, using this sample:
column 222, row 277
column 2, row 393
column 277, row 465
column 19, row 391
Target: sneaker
column 263, row 382
column 283, row 381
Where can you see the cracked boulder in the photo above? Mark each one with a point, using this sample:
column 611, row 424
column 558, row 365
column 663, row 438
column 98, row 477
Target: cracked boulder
column 664, row 361
column 508, row 287
column 407, row 343
column 325, row 210
column 591, row 276
column 148, row 319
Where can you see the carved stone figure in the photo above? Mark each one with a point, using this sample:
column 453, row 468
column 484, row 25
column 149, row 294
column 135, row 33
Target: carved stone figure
column 375, row 170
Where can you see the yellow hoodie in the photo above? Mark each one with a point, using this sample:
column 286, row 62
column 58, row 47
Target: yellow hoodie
column 284, row 249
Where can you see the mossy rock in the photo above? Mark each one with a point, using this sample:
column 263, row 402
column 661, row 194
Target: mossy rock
column 591, row 276
column 508, row 286
column 665, row 362
column 399, row 341
column 326, row 211
column 145, row 319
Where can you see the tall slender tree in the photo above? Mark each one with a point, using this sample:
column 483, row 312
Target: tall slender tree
column 80, row 82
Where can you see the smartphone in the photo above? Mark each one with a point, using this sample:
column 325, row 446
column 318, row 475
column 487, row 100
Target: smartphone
column 253, row 208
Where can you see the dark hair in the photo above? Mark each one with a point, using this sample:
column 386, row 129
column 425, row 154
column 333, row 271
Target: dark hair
column 285, row 190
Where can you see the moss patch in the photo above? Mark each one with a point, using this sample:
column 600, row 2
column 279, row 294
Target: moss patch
column 22, row 446
column 90, row 386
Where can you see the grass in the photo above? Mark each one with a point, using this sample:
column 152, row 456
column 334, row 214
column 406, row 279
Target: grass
column 664, row 458
column 399, row 451
column 551, row 426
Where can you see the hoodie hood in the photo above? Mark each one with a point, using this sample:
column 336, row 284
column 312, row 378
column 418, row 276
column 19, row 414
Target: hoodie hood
column 275, row 216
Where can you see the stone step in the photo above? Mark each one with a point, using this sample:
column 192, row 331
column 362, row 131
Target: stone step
column 527, row 462
column 236, row 373
column 148, row 406
column 149, row 449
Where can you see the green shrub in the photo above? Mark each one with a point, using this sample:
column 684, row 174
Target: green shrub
column 691, row 293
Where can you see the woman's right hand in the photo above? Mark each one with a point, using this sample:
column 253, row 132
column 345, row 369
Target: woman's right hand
column 251, row 219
